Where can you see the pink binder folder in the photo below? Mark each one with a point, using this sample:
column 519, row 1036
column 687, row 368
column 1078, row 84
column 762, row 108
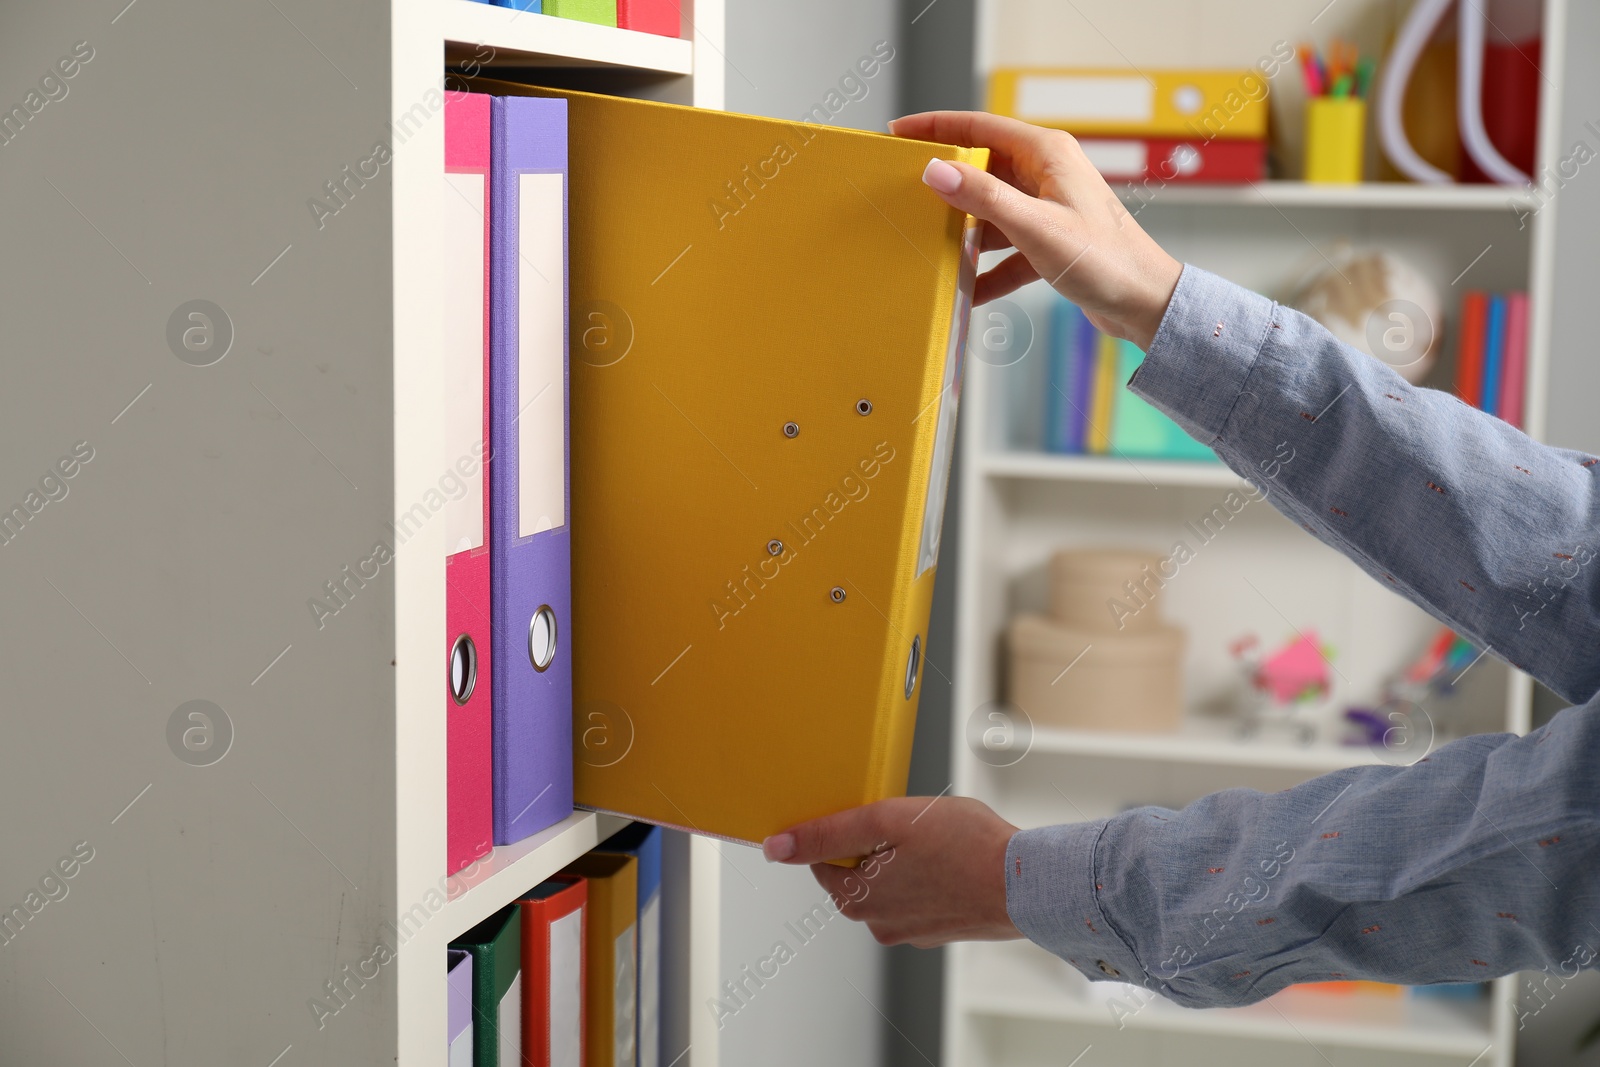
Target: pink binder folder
column 469, row 688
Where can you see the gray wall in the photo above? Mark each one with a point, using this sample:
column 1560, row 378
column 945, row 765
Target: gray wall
column 175, row 165
column 825, row 1005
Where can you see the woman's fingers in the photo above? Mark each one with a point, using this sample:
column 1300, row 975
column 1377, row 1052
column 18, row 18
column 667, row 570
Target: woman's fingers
column 1011, row 274
column 994, row 239
column 1016, row 140
column 984, row 196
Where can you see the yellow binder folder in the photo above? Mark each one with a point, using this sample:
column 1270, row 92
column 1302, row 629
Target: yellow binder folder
column 1206, row 104
column 768, row 320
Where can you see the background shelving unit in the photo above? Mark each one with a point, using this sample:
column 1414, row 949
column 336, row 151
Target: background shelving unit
column 1012, row 1003
column 229, row 895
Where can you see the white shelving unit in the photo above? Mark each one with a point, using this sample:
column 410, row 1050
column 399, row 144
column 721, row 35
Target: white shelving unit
column 230, row 894
column 1012, row 1003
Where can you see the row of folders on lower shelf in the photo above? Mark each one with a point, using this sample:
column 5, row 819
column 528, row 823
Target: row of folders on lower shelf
column 570, row 973
column 1086, row 407
column 645, row 16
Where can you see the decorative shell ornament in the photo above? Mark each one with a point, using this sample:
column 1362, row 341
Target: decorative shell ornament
column 1379, row 303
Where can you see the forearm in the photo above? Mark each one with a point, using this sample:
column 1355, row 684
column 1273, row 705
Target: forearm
column 1481, row 860
column 1489, row 530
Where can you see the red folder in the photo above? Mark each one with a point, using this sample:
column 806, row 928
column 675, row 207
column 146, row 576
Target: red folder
column 649, row 16
column 1469, row 353
column 555, row 916
column 464, row 214
column 1159, row 159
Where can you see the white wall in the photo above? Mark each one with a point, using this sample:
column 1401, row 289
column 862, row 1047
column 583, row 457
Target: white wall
column 823, row 1005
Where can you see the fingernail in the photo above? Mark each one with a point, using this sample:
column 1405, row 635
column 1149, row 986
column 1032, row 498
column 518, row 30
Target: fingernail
column 778, row 847
column 891, row 123
column 941, row 177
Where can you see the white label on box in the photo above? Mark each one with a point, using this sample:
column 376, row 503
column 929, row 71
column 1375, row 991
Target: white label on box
column 1121, row 160
column 1064, row 98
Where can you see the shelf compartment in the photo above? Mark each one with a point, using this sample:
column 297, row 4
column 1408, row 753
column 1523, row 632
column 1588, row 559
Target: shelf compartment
column 523, row 39
column 1433, row 1026
column 1048, row 466
column 510, row 870
column 1019, row 981
column 1207, row 746
column 1379, row 195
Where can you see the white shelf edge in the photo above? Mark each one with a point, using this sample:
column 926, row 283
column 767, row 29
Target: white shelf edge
column 1380, row 195
column 545, row 40
column 512, row 869
column 1400, row 1037
column 1188, row 748
column 1045, row 466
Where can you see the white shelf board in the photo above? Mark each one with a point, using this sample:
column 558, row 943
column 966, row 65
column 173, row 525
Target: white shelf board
column 1360, row 1020
column 516, row 868
column 520, row 38
column 1198, row 744
column 1046, row 466
column 1382, row 195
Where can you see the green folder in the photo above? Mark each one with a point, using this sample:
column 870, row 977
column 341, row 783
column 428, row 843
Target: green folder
column 601, row 12
column 496, row 949
column 1139, row 430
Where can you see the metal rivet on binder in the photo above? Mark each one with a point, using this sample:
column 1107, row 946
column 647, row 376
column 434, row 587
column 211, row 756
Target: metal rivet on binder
column 774, row 547
column 791, row 429
column 863, row 406
column 837, row 594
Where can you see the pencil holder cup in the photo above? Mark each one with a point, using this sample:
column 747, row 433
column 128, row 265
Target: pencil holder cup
column 1335, row 134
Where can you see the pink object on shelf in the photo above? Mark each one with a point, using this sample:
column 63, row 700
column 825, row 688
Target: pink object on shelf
column 1514, row 372
column 1294, row 671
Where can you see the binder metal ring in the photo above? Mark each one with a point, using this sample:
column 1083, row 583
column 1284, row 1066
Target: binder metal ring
column 542, row 638
column 463, row 669
column 912, row 663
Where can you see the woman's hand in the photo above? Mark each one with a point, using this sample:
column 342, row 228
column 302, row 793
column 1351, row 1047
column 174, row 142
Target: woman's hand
column 934, row 869
column 1043, row 197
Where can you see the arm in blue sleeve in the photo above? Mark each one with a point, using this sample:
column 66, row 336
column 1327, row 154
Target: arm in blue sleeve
column 1479, row 860
column 1488, row 530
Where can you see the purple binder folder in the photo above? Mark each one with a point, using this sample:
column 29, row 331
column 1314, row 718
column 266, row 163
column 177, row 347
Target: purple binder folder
column 458, row 1016
column 530, row 498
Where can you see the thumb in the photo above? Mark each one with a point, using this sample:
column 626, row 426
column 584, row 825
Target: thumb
column 845, row 835
column 984, row 196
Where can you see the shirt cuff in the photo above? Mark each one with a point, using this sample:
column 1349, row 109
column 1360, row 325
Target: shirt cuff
column 1052, row 897
column 1203, row 352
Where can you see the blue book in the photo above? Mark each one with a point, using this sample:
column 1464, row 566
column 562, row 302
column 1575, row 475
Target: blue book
column 1494, row 351
column 1083, row 382
column 643, row 842
column 1062, row 426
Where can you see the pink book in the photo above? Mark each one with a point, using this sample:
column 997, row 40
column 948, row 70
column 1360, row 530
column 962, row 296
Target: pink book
column 1514, row 373
column 469, row 721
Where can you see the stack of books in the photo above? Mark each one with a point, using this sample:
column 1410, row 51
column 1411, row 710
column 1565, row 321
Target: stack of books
column 1086, row 408
column 1492, row 355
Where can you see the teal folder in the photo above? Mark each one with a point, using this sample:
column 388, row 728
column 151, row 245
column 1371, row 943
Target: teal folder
column 1139, row 430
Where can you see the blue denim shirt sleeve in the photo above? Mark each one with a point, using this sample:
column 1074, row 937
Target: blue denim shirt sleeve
column 1479, row 860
